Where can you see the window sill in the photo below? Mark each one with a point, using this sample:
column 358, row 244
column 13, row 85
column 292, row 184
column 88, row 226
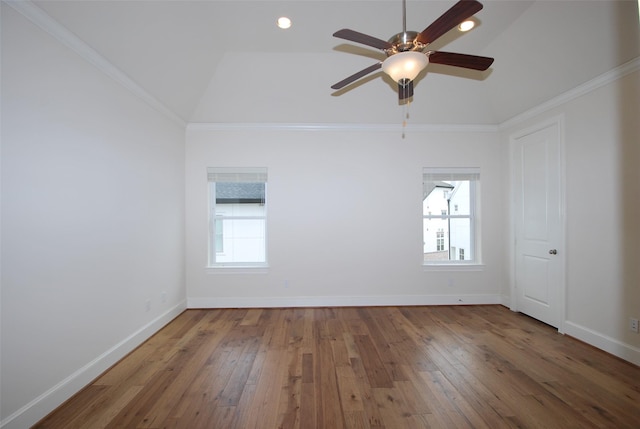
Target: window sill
column 229, row 269
column 453, row 267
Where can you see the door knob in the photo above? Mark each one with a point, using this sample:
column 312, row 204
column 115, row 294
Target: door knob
column 553, row 252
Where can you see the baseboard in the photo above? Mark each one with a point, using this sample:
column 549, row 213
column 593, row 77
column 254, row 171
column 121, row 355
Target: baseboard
column 610, row 345
column 37, row 409
column 341, row 301
column 505, row 300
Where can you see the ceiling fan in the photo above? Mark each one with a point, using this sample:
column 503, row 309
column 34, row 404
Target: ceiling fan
column 406, row 57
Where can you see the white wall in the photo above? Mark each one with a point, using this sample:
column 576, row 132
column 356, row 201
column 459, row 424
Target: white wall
column 92, row 221
column 92, row 217
column 332, row 239
column 602, row 178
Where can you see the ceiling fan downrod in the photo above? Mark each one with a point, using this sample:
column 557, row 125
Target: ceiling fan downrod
column 405, row 41
column 404, row 16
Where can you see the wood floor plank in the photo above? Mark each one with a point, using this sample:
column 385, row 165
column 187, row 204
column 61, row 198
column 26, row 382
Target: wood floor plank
column 328, row 407
column 307, row 403
column 291, row 393
column 264, row 406
column 446, row 406
column 547, row 411
column 350, row 396
column 251, row 317
column 372, row 362
column 366, row 392
column 392, row 407
column 587, row 400
column 241, row 416
column 204, row 393
column 230, row 394
column 356, row 420
column 366, row 367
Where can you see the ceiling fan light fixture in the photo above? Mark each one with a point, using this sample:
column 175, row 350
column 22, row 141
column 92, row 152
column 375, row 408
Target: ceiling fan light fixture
column 405, row 65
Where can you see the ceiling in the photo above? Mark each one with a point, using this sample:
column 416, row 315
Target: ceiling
column 226, row 61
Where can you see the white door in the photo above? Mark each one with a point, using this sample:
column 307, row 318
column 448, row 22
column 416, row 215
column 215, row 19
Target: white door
column 539, row 258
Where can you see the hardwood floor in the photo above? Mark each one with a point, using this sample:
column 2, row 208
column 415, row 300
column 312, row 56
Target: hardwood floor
column 369, row 367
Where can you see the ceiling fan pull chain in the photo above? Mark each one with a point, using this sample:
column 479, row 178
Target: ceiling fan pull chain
column 405, row 117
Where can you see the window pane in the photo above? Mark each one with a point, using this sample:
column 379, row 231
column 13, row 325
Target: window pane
column 450, row 197
column 460, row 199
column 219, row 235
column 243, row 241
column 435, row 201
column 241, row 210
column 460, row 238
column 436, row 240
column 439, row 234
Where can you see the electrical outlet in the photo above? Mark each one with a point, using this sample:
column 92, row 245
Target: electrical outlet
column 164, row 297
column 148, row 305
column 633, row 325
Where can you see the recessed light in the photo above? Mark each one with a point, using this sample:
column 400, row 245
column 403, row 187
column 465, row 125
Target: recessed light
column 466, row 25
column 284, row 22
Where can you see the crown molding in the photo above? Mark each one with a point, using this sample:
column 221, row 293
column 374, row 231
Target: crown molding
column 40, row 18
column 386, row 128
column 580, row 90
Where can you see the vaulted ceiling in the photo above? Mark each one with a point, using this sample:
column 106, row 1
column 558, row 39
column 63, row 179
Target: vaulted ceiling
column 227, row 61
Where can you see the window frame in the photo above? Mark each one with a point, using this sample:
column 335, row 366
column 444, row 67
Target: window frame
column 215, row 217
column 474, row 177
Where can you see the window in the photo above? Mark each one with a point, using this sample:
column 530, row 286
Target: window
column 440, row 240
column 237, row 217
column 450, row 236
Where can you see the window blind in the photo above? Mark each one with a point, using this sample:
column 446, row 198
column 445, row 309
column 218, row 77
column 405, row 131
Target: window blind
column 237, row 175
column 450, row 174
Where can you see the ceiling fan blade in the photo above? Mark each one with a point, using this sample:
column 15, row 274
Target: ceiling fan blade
column 405, row 91
column 357, row 37
column 357, row 76
column 454, row 16
column 460, row 60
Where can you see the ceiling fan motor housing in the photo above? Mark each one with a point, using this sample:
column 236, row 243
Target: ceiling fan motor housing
column 403, row 42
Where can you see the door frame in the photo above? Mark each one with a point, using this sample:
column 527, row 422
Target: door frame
column 558, row 122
